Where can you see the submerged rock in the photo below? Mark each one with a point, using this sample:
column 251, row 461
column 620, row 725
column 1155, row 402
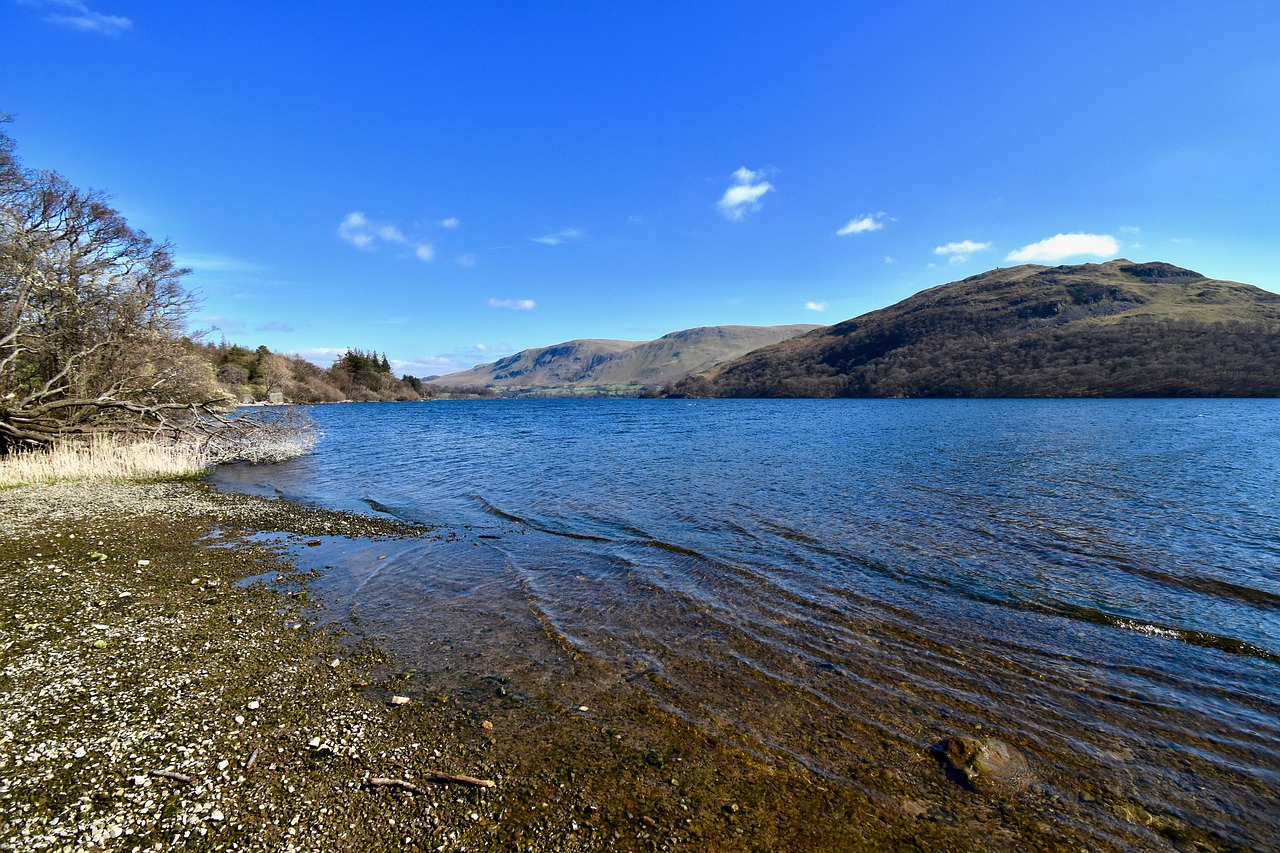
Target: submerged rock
column 984, row 764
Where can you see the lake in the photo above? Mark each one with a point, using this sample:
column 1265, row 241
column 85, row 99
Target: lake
column 838, row 584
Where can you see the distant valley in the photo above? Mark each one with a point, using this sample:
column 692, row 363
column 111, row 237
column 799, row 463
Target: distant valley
column 1115, row 329
column 599, row 367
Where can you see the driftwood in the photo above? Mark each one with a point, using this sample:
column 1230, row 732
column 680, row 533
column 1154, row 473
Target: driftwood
column 384, row 782
column 441, row 778
column 449, row 778
column 169, row 774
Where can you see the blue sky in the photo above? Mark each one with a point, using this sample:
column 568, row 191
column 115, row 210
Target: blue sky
column 448, row 182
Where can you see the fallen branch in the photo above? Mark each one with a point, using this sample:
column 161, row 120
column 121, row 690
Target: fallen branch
column 384, row 782
column 169, row 774
column 441, row 778
column 460, row 780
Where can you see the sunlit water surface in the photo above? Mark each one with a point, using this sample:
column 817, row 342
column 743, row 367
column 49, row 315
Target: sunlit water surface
column 1096, row 581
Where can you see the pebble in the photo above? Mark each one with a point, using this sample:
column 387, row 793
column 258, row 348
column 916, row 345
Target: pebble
column 253, row 705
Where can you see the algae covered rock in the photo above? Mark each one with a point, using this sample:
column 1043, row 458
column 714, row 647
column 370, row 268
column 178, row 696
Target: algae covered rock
column 985, row 764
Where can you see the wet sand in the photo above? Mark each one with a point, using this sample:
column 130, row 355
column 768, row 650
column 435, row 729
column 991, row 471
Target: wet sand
column 149, row 701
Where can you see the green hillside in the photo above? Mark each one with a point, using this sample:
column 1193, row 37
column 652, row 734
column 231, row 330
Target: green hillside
column 1094, row 330
column 589, row 367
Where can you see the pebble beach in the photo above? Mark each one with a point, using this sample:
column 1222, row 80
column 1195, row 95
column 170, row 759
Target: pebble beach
column 152, row 699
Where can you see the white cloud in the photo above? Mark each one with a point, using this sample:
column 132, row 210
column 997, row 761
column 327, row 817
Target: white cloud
column 467, row 260
column 863, row 224
column 564, row 235
column 451, row 222
column 1062, row 246
column 77, row 15
column 816, row 306
column 744, row 195
column 513, row 304
column 959, row 252
column 357, row 230
column 365, row 233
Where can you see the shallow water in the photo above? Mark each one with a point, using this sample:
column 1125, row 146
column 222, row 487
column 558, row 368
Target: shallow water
column 1097, row 582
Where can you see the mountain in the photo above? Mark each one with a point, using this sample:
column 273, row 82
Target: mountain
column 594, row 366
column 1095, row 330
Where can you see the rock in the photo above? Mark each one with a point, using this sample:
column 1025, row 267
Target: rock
column 400, row 700
column 216, row 815
column 254, row 705
column 983, row 765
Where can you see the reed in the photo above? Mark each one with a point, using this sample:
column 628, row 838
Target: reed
column 103, row 459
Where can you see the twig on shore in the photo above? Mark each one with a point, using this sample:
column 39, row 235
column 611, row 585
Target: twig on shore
column 442, row 778
column 253, row 759
column 169, row 774
column 384, row 782
column 460, row 780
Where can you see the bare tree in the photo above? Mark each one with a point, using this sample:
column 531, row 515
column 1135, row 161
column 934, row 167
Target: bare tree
column 91, row 317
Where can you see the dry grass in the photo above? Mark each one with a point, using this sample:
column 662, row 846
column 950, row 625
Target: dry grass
column 103, row 459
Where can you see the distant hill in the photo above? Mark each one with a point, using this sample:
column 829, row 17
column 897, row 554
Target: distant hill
column 1094, row 330
column 595, row 366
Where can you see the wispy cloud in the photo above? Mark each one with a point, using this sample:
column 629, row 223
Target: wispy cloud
column 273, row 326
column 215, row 263
column 365, row 233
column 467, row 260
column 323, row 356
column 451, row 222
column 1061, row 246
column 513, row 304
column 555, row 238
column 744, row 195
column 222, row 324
column 816, row 306
column 960, row 252
column 76, row 15
column 866, row 222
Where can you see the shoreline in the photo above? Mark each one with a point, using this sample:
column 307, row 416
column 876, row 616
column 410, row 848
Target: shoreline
column 148, row 698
